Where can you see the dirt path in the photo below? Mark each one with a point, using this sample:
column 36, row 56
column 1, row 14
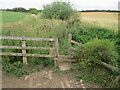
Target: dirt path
column 46, row 79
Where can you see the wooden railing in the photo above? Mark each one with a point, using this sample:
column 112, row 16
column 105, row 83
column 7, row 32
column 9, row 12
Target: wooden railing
column 53, row 50
column 110, row 67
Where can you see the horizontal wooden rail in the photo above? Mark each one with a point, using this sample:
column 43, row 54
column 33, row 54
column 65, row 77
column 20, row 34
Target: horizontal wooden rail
column 110, row 67
column 65, row 56
column 73, row 48
column 73, row 54
column 53, row 50
column 61, row 59
column 26, row 38
column 27, row 55
column 15, row 47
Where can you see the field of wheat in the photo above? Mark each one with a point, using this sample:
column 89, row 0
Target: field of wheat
column 105, row 19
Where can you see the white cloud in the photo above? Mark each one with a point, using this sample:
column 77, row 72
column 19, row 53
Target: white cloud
column 96, row 4
column 78, row 4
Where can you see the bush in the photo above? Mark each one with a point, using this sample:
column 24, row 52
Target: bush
column 33, row 11
column 97, row 50
column 88, row 68
column 58, row 10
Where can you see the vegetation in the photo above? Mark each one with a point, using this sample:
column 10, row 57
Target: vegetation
column 10, row 17
column 20, row 9
column 101, row 44
column 58, row 10
column 98, row 74
column 16, row 9
column 97, row 50
column 33, row 11
column 89, row 57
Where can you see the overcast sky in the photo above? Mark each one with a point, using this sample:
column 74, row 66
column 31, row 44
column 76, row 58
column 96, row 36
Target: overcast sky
column 77, row 4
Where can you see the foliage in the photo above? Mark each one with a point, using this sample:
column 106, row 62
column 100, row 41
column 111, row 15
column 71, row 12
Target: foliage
column 19, row 9
column 97, row 74
column 19, row 69
column 88, row 32
column 97, row 50
column 33, row 11
column 16, row 9
column 88, row 58
column 58, row 10
column 73, row 21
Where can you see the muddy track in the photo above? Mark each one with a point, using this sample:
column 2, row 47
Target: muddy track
column 46, row 79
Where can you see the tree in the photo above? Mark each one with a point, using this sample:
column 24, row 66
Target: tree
column 33, row 11
column 58, row 10
column 19, row 9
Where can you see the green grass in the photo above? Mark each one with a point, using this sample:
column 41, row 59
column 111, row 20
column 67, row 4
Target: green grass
column 10, row 17
column 97, row 74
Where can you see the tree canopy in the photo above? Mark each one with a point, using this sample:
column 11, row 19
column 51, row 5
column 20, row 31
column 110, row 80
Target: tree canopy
column 58, row 10
column 19, row 9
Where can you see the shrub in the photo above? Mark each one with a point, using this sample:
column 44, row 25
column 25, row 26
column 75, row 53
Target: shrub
column 58, row 10
column 88, row 56
column 97, row 50
column 33, row 11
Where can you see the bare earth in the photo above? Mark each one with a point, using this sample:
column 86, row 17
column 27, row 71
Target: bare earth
column 46, row 79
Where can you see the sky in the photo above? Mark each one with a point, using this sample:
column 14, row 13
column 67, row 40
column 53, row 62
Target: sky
column 77, row 4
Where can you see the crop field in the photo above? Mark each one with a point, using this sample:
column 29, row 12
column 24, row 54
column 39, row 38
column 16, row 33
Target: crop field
column 104, row 19
column 10, row 17
column 92, row 26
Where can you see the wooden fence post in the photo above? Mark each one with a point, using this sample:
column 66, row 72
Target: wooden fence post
column 56, row 51
column 24, row 52
column 69, row 43
column 57, row 47
column 52, row 52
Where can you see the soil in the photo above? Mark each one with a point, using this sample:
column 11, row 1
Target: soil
column 46, row 79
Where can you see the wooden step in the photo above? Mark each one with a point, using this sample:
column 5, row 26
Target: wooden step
column 64, row 66
column 65, row 56
column 62, row 59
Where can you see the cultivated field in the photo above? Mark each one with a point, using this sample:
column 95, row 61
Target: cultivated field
column 104, row 19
